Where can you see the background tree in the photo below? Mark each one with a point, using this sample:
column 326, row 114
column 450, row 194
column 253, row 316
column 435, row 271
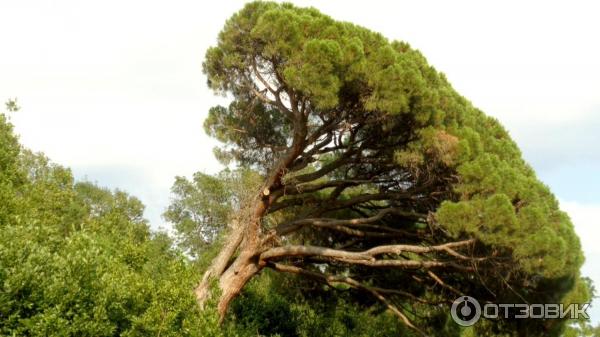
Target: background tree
column 80, row 260
column 376, row 175
column 10, row 176
column 199, row 208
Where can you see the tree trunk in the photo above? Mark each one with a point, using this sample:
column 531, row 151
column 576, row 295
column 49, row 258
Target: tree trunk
column 235, row 278
column 219, row 264
column 232, row 277
column 245, row 236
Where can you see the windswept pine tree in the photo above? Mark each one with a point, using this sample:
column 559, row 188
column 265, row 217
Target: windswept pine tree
column 375, row 176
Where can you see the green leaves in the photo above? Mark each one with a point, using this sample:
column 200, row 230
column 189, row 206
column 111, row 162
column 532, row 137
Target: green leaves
column 315, row 56
column 81, row 286
column 11, row 177
column 202, row 208
column 527, row 220
column 280, row 32
column 317, row 72
column 79, row 260
column 12, row 105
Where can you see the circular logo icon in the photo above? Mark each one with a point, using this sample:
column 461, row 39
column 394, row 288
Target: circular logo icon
column 465, row 311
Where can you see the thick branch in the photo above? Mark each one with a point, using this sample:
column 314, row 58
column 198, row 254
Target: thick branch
column 368, row 257
column 219, row 264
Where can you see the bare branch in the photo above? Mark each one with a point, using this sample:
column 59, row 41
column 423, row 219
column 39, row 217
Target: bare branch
column 368, row 257
column 438, row 280
column 287, row 228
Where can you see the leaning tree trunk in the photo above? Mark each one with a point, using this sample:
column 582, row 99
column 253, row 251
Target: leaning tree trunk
column 245, row 239
column 219, row 264
column 232, row 274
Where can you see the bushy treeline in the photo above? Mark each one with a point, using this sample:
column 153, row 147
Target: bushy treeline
column 80, row 260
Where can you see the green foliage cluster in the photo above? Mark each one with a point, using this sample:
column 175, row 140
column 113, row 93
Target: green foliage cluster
column 273, row 305
column 202, row 207
column 80, row 260
column 10, row 175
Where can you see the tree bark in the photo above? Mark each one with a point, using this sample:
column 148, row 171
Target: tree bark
column 219, row 264
column 231, row 276
column 234, row 279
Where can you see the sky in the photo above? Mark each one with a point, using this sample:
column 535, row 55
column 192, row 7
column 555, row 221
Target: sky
column 114, row 89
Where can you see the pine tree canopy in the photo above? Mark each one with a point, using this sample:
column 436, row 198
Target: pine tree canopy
column 376, row 173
